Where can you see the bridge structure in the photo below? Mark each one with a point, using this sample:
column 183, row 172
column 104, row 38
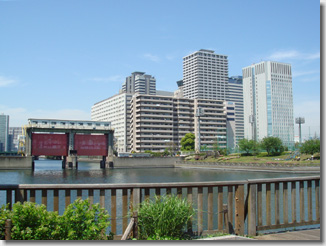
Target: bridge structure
column 69, row 139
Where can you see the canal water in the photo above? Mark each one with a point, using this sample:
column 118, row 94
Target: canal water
column 50, row 172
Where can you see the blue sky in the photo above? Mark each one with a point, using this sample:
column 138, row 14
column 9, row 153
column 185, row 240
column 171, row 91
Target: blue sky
column 59, row 57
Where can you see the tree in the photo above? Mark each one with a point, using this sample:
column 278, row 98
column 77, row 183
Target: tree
column 172, row 147
column 272, row 145
column 248, row 146
column 216, row 148
column 188, row 142
column 310, row 146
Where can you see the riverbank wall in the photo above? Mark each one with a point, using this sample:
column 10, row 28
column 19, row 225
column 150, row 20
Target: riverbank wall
column 15, row 162
column 141, row 162
column 263, row 167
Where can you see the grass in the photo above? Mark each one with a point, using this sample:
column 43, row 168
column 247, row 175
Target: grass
column 261, row 158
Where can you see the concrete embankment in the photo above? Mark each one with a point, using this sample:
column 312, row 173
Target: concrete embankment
column 15, row 162
column 257, row 167
column 141, row 162
column 178, row 162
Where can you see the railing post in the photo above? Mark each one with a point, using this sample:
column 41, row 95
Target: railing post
column 8, row 225
column 239, row 209
column 19, row 195
column 252, row 206
column 9, row 198
column 136, row 202
column 135, row 227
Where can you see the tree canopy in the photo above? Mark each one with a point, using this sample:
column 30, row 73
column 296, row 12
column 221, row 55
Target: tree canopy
column 188, row 142
column 310, row 147
column 272, row 145
column 248, row 146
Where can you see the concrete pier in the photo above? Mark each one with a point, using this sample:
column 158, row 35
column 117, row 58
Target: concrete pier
column 16, row 162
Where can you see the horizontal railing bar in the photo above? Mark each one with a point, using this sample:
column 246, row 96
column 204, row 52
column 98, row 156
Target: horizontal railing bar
column 150, row 185
column 120, row 186
column 273, row 180
column 280, row 226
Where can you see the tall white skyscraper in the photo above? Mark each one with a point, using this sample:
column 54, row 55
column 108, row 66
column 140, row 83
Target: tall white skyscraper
column 268, row 101
column 205, row 75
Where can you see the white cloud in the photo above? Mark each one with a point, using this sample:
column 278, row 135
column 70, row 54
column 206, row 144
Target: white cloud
column 170, row 57
column 151, row 57
column 313, row 56
column 69, row 114
column 114, row 78
column 5, row 82
column 304, row 73
column 310, row 79
column 19, row 116
column 292, row 55
column 280, row 55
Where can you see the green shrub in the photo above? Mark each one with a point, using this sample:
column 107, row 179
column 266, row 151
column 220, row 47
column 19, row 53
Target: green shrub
column 4, row 215
column 82, row 221
column 164, row 218
column 33, row 222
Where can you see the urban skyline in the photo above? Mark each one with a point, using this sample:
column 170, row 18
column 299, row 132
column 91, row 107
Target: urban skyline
column 88, row 59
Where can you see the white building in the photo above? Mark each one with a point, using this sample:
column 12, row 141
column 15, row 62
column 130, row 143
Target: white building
column 116, row 110
column 268, row 101
column 205, row 75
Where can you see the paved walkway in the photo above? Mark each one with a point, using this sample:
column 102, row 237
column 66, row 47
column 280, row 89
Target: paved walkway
column 293, row 235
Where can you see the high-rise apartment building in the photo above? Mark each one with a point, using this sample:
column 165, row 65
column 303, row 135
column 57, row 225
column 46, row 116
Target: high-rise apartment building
column 4, row 132
column 160, row 122
column 116, row 110
column 268, row 101
column 235, row 94
column 141, row 83
column 205, row 75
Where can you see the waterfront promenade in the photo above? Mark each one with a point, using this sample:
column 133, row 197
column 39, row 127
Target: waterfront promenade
column 313, row 235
